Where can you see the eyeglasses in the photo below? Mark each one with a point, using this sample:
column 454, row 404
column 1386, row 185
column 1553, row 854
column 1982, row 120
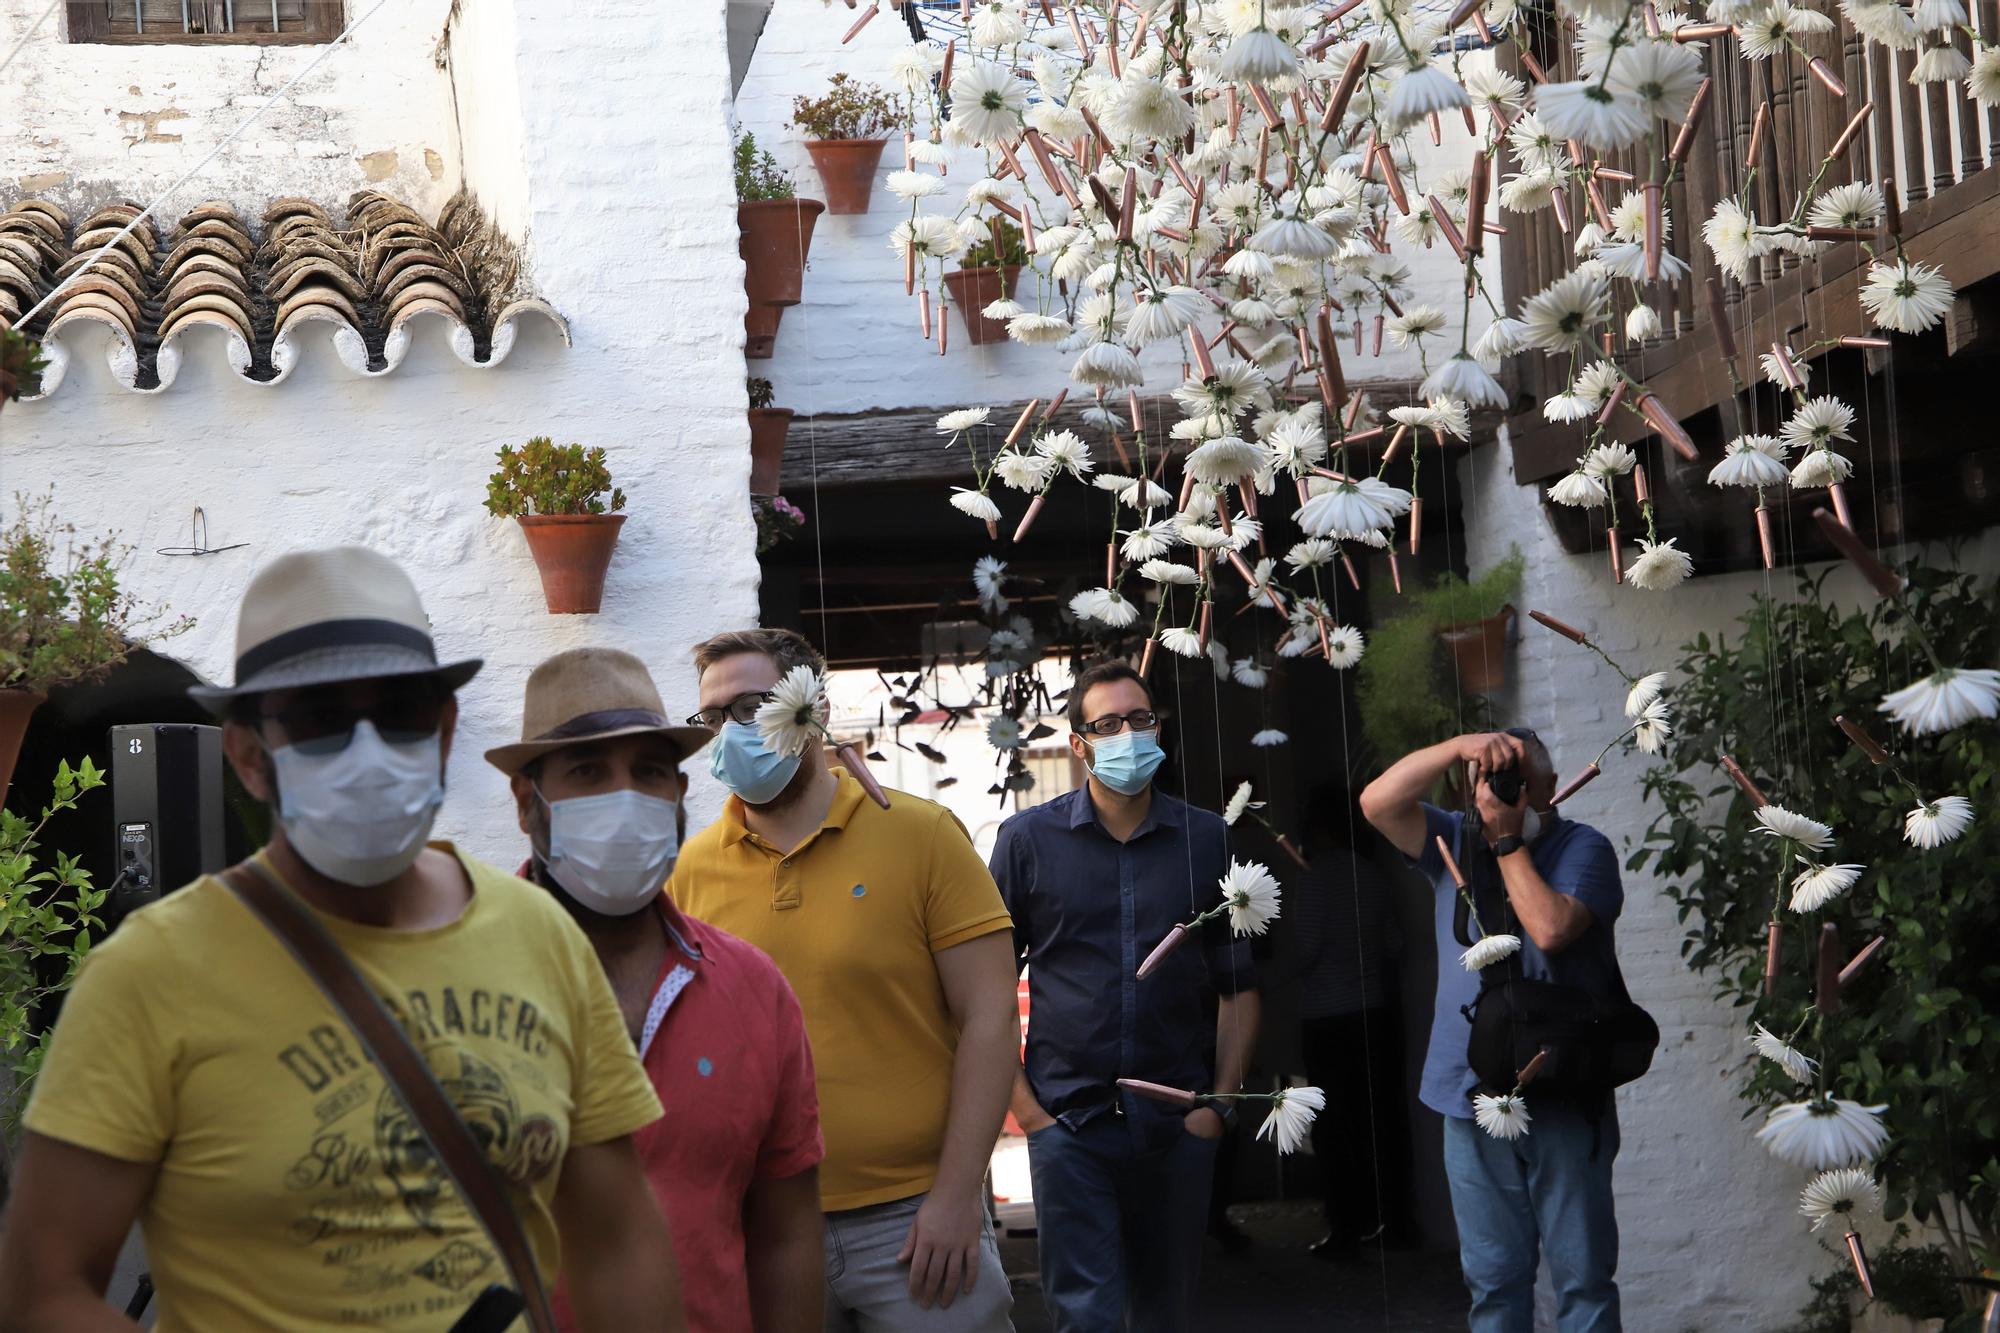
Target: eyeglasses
column 1113, row 723
column 743, row 708
column 326, row 725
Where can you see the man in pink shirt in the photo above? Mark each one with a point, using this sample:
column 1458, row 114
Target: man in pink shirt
column 597, row 780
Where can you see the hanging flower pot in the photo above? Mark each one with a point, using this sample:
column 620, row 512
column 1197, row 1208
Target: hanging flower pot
column 773, row 236
column 17, row 706
column 760, row 331
column 1479, row 650
column 847, row 168
column 572, row 552
column 973, row 289
column 768, row 426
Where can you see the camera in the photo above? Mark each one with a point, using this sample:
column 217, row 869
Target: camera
column 1505, row 784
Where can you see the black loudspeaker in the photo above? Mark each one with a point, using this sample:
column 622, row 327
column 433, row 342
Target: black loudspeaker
column 166, row 807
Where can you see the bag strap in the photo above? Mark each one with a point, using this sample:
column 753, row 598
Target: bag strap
column 405, row 1071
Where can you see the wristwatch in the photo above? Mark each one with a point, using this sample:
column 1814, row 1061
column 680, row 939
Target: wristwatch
column 1225, row 1109
column 1508, row 845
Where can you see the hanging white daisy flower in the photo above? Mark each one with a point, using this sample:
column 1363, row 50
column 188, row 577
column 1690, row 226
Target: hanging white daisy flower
column 987, row 102
column 931, row 237
column 1950, row 698
column 1643, row 692
column 989, row 577
column 1490, row 950
column 1269, row 737
column 1105, row 606
column 1821, row 467
column 1660, row 565
column 1798, row 1067
column 1824, row 1132
column 1841, row 1194
column 928, row 153
column 1579, row 490
column 1751, row 460
column 1133, row 492
column 1344, row 511
column 1595, row 113
column 1023, row 472
column 1982, row 81
column 1465, row 379
column 1251, row 892
column 1258, row 56
column 1003, row 309
column 1940, row 64
column 1817, row 885
column 1856, row 204
column 1503, row 1117
column 1641, row 324
column 1003, row 732
column 1296, row 444
column 1564, row 314
column 1502, row 338
column 1224, row 461
column 1610, row 460
column 912, row 185
column 1065, row 450
column 1818, row 423
column 1295, row 237
column 1249, row 673
column 1149, row 540
column 1107, row 365
column 1033, row 330
column 1146, row 108
column 1422, row 91
column 1654, row 726
column 1568, row 406
column 974, row 503
column 1181, row 642
column 1905, row 297
column 1660, row 76
column 1292, row 1113
column 1313, row 553
column 1731, row 237
column 951, row 423
column 996, row 25
column 1935, row 823
column 1168, row 571
column 789, row 719
column 1884, row 21
column 1344, row 647
column 1782, row 823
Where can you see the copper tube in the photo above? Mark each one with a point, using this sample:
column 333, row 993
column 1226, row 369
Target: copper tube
column 1684, row 140
column 1604, row 173
column 1146, row 657
column 1533, row 66
column 1187, row 494
column 924, row 312
column 1859, row 963
column 1767, row 541
column 1475, row 205
column 1263, row 155
column 1379, row 321
column 1028, row 519
column 1437, row 129
column 943, row 332
column 1180, row 172
column 1222, row 518
column 1701, row 32
column 1774, row 954
column 1718, row 316
column 1132, row 411
column 1266, row 107
column 860, row 23
column 909, row 150
column 1325, row 640
column 1395, row 574
column 1758, row 127
column 1837, row 492
column 1101, row 192
column 1598, row 208
column 1335, row 391
column 1055, row 405
column 1852, row 128
column 1128, row 205
column 1736, row 774
column 1862, row 740
column 1547, row 621
column 1577, row 784
column 1096, row 130
column 1354, row 575
column 1248, row 492
column 993, row 529
column 1001, row 205
column 1652, row 20
column 1057, row 181
column 1416, row 521
column 1118, row 447
column 1076, row 31
column 1110, row 563
column 1559, row 201
column 1305, row 490
column 1826, row 971
column 1611, row 404
column 1824, row 73
column 1395, row 443
column 1233, row 105
column 1664, row 424
column 1203, row 362
column 1862, row 340
column 1446, row 227
column 1471, row 121
column 1257, row 589
column 1171, row 233
column 1840, row 233
column 1466, row 9
column 1291, row 849
column 1786, row 370
column 909, row 269
column 1450, row 862
column 857, row 768
column 1879, row 576
column 1639, row 488
column 1528, row 1071
column 1111, row 43
column 1479, row 26
column 1208, row 614
column 1393, row 179
column 1343, row 92
column 1159, row 1092
column 1617, row 553
column 1859, row 1257
column 1892, row 207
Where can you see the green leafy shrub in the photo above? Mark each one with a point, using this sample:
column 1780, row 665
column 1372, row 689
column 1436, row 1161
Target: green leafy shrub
column 761, row 393
column 758, row 175
column 1921, row 1030
column 63, row 617
column 546, row 478
column 778, row 520
column 21, row 364
column 1405, row 693
column 849, row 110
column 1003, row 245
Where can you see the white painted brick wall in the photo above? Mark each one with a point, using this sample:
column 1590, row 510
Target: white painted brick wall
column 631, row 227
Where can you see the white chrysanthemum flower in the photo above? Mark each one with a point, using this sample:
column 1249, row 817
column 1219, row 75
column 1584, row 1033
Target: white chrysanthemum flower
column 789, row 720
column 1292, row 1113
column 1023, row 472
column 1661, row 565
column 1003, row 309
column 1502, row 338
column 1422, row 91
column 911, row 185
column 1268, row 738
column 1239, row 801
column 1641, row 324
column 1982, row 81
column 1416, row 321
column 1252, row 894
column 912, row 66
column 1033, row 330
column 1568, row 406
column 1937, row 15
column 987, row 102
column 1344, row 646
column 996, row 25
column 1798, row 1067
column 1644, row 691
column 1105, row 606
column 1492, row 87
column 1821, row 467
column 1660, row 76
column 1296, row 444
column 1066, row 450
column 989, row 579
column 1856, row 204
column 1818, row 424
column 1146, row 108
column 974, row 503
column 1732, row 238
column 951, row 423
column 1003, row 732
column 1181, row 642
column 1258, row 56
column 987, row 190
column 931, row 237
column 1817, row 885
column 1788, row 824
column 1774, row 370
column 1940, row 64
column 1564, row 314
column 1595, row 113
column 1906, row 297
column 1884, row 21
column 1935, row 823
column 1465, row 379
column 1824, row 1132
column 1491, row 949
column 1149, row 540
column 1765, row 31
column 926, row 153
column 1950, row 698
column 1343, row 511
column 1249, row 673
column 1168, row 571
column 1107, row 365
column 1609, row 460
column 1842, row 1193
column 1751, row 460
column 1654, row 727
column 1503, row 1117
column 1295, row 237
column 1224, row 461
column 1312, row 553
column 1579, row 490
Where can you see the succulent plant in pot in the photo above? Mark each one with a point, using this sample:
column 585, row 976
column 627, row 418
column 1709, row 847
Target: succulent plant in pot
column 768, row 428
column 774, row 233
column 21, row 365
column 845, row 130
column 562, row 497
column 988, row 273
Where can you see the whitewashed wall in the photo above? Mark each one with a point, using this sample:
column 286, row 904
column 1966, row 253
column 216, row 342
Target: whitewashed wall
column 628, row 209
column 853, row 344
column 1710, row 1233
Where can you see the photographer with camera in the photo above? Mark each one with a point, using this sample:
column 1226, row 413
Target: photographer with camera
column 1554, row 883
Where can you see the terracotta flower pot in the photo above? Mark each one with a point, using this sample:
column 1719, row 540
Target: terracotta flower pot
column 760, row 331
column 1479, row 650
column 768, row 426
column 774, row 236
column 16, row 708
column 572, row 551
column 973, row 289
column 847, row 168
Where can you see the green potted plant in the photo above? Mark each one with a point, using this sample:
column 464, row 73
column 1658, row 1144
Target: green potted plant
column 778, row 520
column 774, row 232
column 768, row 428
column 989, row 272
column 1472, row 621
column 562, row 497
column 1403, row 696
column 845, row 130
column 63, row 617
column 21, row 365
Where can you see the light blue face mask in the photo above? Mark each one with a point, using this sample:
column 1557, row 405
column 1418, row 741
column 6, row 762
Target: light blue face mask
column 1126, row 762
column 741, row 761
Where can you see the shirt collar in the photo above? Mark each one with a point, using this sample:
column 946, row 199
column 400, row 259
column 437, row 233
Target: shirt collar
column 683, row 931
column 847, row 798
column 1164, row 812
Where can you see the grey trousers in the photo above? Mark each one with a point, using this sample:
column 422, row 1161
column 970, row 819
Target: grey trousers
column 867, row 1291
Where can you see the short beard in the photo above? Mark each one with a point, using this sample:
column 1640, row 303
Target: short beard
column 791, row 793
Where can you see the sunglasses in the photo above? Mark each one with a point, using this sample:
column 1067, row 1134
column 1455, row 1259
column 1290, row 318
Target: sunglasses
column 326, row 725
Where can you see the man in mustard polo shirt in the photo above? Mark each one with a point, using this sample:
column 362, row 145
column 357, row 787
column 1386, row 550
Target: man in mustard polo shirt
column 890, row 930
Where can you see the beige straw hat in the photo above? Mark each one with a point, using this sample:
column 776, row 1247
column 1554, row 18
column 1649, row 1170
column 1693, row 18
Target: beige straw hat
column 590, row 694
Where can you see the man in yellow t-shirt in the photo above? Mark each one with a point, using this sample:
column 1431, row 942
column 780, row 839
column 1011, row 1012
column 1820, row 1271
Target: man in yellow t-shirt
column 889, row 929
column 199, row 1083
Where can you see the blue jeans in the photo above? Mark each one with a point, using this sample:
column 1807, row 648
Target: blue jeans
column 1121, row 1206
column 1542, row 1192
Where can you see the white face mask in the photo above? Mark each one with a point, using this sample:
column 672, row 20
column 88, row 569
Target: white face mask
column 360, row 815
column 1532, row 825
column 612, row 852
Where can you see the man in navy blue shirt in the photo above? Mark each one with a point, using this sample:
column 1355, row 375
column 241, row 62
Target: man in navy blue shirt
column 1548, row 1192
column 1094, row 880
